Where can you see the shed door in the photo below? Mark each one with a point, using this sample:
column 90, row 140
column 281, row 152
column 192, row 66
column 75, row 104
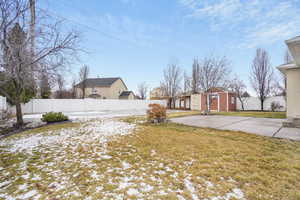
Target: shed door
column 214, row 102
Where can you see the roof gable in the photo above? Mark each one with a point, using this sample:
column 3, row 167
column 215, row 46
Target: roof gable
column 99, row 82
column 216, row 89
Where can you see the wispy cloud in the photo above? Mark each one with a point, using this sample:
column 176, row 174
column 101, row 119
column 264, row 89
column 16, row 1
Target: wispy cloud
column 127, row 30
column 128, row 2
column 259, row 21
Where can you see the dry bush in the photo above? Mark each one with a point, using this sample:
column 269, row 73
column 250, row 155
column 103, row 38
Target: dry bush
column 156, row 113
column 275, row 106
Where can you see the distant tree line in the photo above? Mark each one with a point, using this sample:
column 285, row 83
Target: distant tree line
column 216, row 72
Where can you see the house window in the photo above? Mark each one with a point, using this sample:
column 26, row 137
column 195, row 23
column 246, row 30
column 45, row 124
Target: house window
column 232, row 100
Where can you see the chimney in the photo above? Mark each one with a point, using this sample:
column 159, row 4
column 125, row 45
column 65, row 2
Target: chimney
column 294, row 47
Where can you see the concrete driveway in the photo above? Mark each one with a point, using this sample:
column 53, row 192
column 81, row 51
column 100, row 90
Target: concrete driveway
column 260, row 126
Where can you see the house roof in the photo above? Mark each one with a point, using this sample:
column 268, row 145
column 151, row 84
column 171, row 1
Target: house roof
column 283, row 68
column 294, row 39
column 125, row 93
column 294, row 47
column 216, row 89
column 99, row 82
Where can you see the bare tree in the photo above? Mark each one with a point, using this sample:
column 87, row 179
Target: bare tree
column 143, row 90
column 83, row 75
column 186, row 83
column 61, row 86
column 195, row 82
column 53, row 47
column 45, row 89
column 261, row 76
column 238, row 87
column 73, row 90
column 246, row 94
column 213, row 73
column 171, row 81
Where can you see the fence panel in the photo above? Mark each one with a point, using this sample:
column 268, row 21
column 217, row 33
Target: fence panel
column 83, row 105
column 253, row 103
column 3, row 104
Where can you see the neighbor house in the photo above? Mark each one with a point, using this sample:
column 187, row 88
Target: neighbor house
column 292, row 72
column 104, row 88
column 156, row 93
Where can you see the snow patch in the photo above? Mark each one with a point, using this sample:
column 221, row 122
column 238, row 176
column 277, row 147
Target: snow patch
column 190, row 187
column 133, row 192
column 27, row 195
column 91, row 131
column 4, row 183
column 126, row 165
column 236, row 193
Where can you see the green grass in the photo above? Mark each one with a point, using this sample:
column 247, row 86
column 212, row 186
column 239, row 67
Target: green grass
column 277, row 115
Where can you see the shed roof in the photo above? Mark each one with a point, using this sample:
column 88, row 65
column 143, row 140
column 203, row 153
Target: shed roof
column 125, row 93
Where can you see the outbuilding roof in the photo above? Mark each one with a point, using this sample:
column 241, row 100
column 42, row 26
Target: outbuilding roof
column 125, row 93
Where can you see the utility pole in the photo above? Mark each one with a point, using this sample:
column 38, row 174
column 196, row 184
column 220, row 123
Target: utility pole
column 32, row 45
column 32, row 26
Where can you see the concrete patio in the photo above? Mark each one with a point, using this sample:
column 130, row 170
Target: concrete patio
column 260, row 126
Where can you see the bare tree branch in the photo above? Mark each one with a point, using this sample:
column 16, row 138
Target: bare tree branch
column 186, row 83
column 54, row 47
column 143, row 90
column 213, row 73
column 195, row 81
column 261, row 75
column 171, row 81
column 239, row 88
column 83, row 75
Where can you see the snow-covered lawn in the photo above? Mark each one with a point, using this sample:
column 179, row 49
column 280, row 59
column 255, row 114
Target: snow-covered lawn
column 112, row 159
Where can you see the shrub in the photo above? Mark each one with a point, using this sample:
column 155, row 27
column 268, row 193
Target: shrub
column 275, row 106
column 156, row 113
column 54, row 117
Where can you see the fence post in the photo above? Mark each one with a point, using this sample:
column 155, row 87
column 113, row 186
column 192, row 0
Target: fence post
column 3, row 105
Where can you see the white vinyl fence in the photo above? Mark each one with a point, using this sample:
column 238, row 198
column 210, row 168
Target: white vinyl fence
column 3, row 105
column 84, row 105
column 253, row 103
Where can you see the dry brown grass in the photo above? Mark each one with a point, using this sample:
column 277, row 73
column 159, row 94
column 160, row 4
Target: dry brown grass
column 135, row 119
column 264, row 168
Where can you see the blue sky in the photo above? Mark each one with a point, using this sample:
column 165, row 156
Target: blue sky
column 136, row 39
